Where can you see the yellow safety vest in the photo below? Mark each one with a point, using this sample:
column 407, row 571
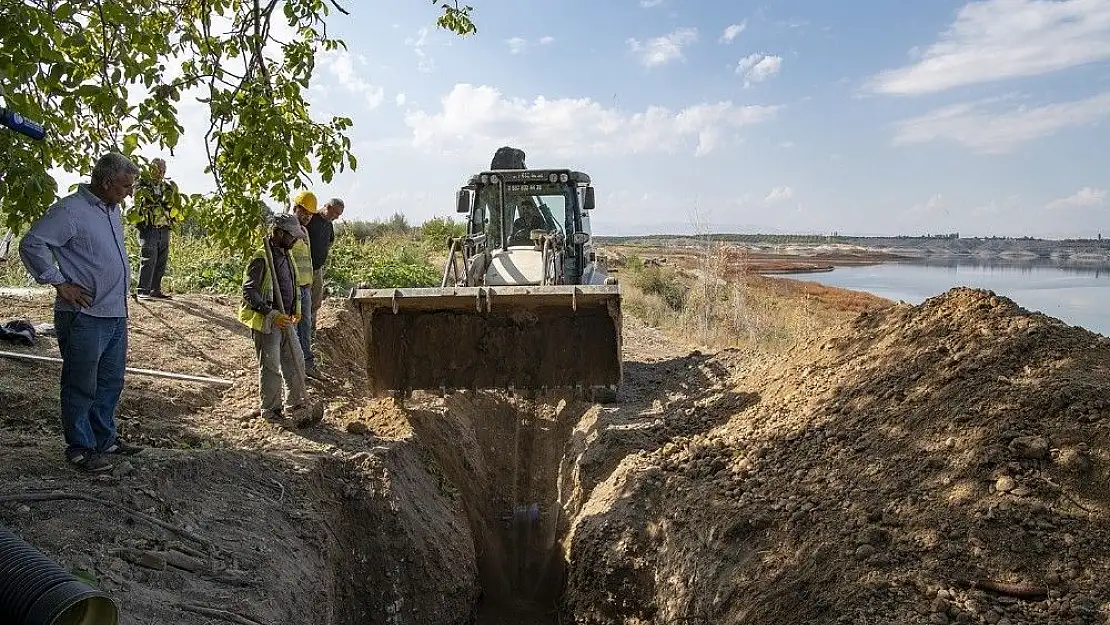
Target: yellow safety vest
column 302, row 258
column 251, row 317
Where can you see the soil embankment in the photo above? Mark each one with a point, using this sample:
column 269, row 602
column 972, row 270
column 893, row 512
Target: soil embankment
column 944, row 463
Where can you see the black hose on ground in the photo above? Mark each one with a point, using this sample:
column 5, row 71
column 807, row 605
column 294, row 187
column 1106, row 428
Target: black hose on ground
column 34, row 590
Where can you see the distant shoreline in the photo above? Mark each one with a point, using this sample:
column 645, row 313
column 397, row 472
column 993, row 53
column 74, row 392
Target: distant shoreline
column 777, row 255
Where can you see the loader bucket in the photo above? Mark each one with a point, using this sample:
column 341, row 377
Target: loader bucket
column 510, row 337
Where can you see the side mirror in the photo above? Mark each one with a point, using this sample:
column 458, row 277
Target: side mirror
column 581, row 238
column 588, row 199
column 462, row 201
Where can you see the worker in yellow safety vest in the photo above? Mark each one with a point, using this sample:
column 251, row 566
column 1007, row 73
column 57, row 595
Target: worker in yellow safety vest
column 304, row 207
column 271, row 308
column 157, row 209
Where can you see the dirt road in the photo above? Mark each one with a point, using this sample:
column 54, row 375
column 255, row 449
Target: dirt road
column 902, row 467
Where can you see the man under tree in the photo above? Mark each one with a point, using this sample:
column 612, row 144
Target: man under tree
column 157, row 209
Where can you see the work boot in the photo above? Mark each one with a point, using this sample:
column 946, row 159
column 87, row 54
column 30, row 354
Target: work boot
column 304, row 415
column 312, row 372
column 120, row 448
column 90, row 462
column 160, row 295
column 271, row 415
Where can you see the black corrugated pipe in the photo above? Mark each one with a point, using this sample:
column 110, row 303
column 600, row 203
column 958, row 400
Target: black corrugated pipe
column 34, row 590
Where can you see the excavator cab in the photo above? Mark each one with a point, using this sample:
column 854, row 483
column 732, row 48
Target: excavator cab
column 523, row 302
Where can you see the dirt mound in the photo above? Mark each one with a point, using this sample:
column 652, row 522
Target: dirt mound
column 940, row 463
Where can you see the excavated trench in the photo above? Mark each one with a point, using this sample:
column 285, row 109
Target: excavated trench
column 465, row 525
column 465, row 520
column 507, row 457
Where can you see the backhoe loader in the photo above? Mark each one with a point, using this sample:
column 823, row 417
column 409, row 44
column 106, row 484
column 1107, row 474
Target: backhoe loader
column 522, row 304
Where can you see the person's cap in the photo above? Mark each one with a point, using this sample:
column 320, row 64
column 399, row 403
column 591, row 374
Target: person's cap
column 289, row 223
column 305, row 199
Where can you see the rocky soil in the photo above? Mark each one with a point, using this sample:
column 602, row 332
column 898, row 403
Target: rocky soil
column 945, row 463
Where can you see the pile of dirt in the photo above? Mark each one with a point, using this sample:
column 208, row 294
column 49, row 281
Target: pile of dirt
column 944, row 463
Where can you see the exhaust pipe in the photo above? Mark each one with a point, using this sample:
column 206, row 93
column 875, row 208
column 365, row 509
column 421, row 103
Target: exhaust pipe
column 34, row 590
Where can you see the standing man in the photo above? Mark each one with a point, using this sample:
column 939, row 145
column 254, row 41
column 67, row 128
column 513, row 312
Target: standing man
column 271, row 308
column 77, row 247
column 321, row 234
column 157, row 209
column 304, row 207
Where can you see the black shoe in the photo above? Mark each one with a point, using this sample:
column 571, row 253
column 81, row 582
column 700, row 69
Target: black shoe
column 160, row 295
column 144, row 295
column 90, row 462
column 120, row 448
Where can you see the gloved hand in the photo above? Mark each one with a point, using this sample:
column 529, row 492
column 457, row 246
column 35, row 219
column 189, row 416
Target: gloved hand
column 283, row 321
column 296, row 318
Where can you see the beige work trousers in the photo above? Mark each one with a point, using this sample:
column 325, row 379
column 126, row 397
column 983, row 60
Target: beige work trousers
column 277, row 360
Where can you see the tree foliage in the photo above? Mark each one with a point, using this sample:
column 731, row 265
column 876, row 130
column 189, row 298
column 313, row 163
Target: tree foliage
column 108, row 75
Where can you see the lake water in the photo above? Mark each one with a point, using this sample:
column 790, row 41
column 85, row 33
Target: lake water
column 1075, row 294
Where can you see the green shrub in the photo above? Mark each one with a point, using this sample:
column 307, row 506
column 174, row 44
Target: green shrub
column 390, row 258
column 665, row 284
column 375, row 229
column 436, row 231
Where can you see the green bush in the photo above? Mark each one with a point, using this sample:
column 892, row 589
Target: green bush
column 388, row 261
column 376, row 229
column 665, row 284
column 436, row 231
column 376, row 253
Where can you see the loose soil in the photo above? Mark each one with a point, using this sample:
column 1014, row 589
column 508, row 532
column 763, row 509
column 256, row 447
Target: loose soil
column 916, row 464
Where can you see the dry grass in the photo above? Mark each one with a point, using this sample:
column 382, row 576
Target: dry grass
column 724, row 305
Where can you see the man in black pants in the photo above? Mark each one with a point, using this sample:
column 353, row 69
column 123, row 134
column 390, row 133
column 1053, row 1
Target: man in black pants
column 157, row 208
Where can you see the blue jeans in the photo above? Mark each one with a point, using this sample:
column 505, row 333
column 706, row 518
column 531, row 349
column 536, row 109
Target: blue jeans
column 304, row 327
column 94, row 355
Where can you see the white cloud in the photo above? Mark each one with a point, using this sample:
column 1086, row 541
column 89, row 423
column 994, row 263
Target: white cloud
column 480, row 118
column 993, row 40
column 425, row 64
column 663, row 50
column 400, row 99
column 518, row 45
column 341, row 65
column 933, row 207
column 758, row 67
column 732, row 31
column 779, row 194
column 998, row 132
column 1085, row 197
column 647, row 4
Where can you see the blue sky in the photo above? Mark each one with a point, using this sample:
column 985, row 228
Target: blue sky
column 863, row 117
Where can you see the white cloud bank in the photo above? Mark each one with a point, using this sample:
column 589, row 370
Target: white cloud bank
column 474, row 118
column 1084, row 198
column 993, row 40
column 994, row 132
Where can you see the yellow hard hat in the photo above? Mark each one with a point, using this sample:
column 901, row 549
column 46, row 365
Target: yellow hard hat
column 306, row 199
